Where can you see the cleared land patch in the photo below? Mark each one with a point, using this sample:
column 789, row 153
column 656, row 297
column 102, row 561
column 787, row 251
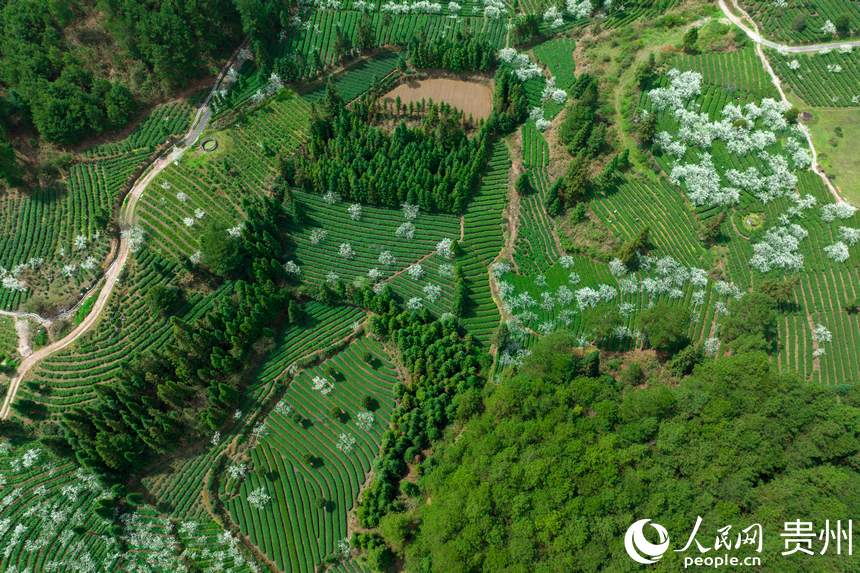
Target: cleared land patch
column 473, row 97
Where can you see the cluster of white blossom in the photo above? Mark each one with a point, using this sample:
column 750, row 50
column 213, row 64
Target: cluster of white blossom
column 838, row 252
column 330, row 197
column 364, row 420
column 237, row 471
column 292, row 268
column 494, row 9
column 134, row 236
column 419, row 7
column 354, row 211
column 405, row 231
column 841, row 210
column 317, row 236
column 445, row 248
column 345, row 251
column 386, row 258
column 410, row 211
column 579, row 8
column 703, row 183
column 779, row 249
column 432, row 292
column 553, row 17
column 236, row 230
column 345, row 442
column 523, row 67
column 322, row 385
column 283, row 408
column 821, row 334
column 259, row 498
column 415, row 271
column 849, row 235
column 10, row 280
column 829, row 28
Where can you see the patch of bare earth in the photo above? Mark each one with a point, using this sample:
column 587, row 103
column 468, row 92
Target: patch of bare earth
column 472, row 97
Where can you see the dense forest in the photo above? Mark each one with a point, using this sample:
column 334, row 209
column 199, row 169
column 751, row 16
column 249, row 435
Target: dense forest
column 461, row 53
column 191, row 384
column 433, row 164
column 563, row 459
column 76, row 68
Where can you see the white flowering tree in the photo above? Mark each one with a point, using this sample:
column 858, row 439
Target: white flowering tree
column 345, row 251
column 259, row 498
column 354, row 211
column 445, row 248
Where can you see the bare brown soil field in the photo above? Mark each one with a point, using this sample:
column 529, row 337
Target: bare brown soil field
column 473, row 97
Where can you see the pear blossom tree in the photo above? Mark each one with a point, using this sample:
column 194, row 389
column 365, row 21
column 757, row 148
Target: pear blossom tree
column 445, row 248
column 259, row 498
column 354, row 211
column 345, row 251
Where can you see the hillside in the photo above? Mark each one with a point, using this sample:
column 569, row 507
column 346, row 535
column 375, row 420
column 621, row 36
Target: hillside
column 359, row 286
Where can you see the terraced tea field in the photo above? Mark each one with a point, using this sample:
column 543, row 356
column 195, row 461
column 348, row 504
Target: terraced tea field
column 311, row 464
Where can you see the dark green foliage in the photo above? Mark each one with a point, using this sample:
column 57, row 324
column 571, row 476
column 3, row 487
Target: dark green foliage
column 434, row 165
column 524, row 184
column 375, row 553
column 510, row 103
column 645, row 72
column 751, row 322
column 462, row 52
column 633, row 374
column 799, row 23
column 575, row 184
column 613, row 172
column 582, row 131
column 174, row 39
column 526, row 28
column 9, row 169
column 691, row 39
column 188, row 386
column 219, row 251
column 369, row 402
column 342, row 43
column 843, row 25
column 686, row 360
column 665, row 326
column 163, row 300
column 781, row 290
column 604, row 327
column 712, row 229
column 551, row 475
column 646, row 128
column 364, row 38
column 262, row 22
column 67, row 94
column 443, row 363
column 638, row 245
column 853, row 307
column 553, row 201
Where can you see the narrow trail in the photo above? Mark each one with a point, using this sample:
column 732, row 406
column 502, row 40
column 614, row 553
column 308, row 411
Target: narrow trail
column 756, row 37
column 126, row 221
column 22, row 329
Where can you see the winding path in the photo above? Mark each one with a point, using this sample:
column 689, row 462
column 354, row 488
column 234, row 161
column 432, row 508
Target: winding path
column 759, row 41
column 126, row 221
column 756, row 36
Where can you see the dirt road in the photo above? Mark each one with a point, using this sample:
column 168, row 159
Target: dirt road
column 126, row 221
